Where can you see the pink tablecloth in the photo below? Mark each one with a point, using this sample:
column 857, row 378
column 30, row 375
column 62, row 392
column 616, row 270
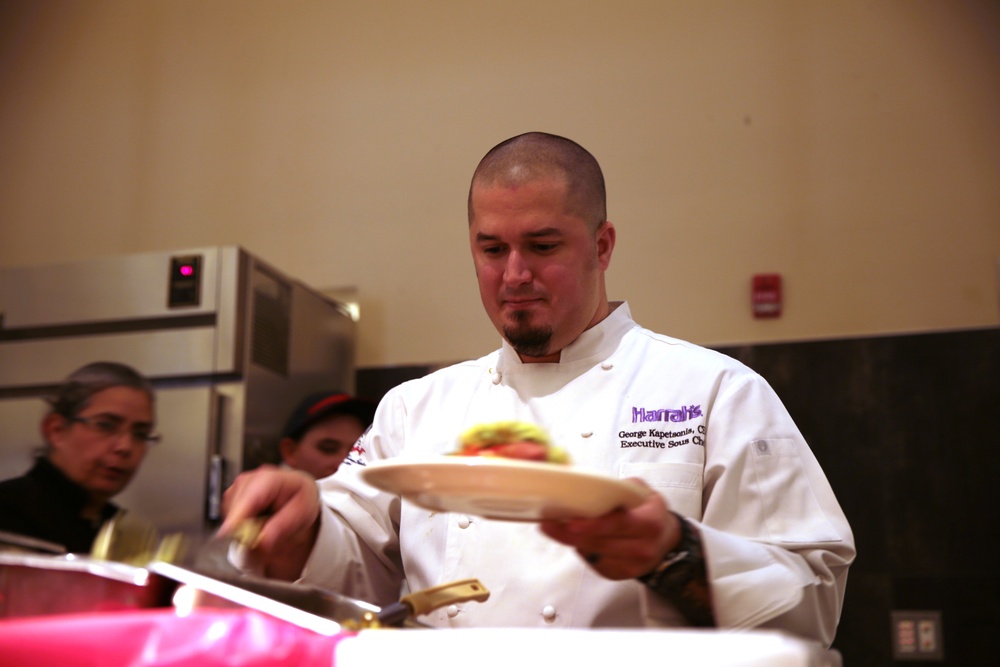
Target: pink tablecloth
column 161, row 638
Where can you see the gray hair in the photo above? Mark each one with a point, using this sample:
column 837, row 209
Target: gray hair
column 74, row 394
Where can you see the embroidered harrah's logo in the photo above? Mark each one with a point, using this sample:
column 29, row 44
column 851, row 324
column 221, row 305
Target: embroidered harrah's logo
column 681, row 414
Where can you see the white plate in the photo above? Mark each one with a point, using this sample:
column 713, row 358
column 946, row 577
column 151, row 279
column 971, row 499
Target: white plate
column 499, row 488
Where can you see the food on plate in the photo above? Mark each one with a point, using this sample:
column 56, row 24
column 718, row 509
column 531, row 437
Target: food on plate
column 512, row 440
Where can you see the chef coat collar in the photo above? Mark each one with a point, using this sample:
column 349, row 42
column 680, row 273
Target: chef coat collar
column 599, row 341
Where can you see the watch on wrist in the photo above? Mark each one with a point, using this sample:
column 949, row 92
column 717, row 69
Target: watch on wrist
column 681, row 577
column 679, row 566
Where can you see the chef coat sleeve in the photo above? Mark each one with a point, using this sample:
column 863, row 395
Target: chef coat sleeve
column 776, row 543
column 357, row 549
column 354, row 555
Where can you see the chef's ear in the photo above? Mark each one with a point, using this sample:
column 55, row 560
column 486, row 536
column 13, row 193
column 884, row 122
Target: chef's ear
column 287, row 448
column 605, row 244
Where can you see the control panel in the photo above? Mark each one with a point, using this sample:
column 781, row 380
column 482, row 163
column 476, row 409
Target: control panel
column 185, row 281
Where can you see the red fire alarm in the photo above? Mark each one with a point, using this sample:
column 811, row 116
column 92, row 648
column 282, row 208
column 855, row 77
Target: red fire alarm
column 765, row 296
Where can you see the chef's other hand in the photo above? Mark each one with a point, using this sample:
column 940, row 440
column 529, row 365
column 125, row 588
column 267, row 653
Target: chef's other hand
column 290, row 501
column 622, row 544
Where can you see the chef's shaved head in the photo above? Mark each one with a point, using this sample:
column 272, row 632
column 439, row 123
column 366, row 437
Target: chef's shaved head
column 536, row 156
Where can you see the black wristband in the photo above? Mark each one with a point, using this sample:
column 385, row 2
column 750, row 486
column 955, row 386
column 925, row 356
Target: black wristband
column 681, row 574
column 678, row 559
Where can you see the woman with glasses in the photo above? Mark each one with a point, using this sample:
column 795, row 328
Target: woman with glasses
column 97, row 432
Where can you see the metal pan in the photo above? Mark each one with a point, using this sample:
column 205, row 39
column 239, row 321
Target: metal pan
column 41, row 585
column 306, row 606
column 33, row 584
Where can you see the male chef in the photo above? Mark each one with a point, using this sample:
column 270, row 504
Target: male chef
column 741, row 528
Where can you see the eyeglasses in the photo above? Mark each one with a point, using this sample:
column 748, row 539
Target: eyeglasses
column 109, row 427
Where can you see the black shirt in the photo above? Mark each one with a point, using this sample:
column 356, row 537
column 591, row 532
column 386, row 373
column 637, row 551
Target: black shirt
column 45, row 504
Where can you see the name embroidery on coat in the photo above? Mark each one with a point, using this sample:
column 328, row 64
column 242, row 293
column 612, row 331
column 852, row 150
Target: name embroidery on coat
column 662, row 438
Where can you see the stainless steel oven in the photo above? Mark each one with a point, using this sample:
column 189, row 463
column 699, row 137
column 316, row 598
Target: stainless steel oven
column 230, row 342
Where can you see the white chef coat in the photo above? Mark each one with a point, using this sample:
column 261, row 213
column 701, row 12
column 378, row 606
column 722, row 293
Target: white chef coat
column 702, row 429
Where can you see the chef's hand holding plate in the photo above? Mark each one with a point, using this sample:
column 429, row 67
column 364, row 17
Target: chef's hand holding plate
column 290, row 502
column 623, row 543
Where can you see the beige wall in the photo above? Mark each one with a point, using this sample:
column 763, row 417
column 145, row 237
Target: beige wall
column 853, row 146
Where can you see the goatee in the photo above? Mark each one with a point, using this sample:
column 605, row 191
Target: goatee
column 527, row 340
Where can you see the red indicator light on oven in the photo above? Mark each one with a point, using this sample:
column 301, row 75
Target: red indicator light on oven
column 185, row 282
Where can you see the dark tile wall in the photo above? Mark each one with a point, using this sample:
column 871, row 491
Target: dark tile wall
column 908, row 430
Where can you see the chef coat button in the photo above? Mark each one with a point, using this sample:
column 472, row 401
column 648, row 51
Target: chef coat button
column 586, row 434
column 607, row 365
column 464, row 522
column 549, row 613
column 497, row 377
column 452, row 611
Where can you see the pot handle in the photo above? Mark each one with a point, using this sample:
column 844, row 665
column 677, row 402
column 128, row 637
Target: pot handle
column 427, row 600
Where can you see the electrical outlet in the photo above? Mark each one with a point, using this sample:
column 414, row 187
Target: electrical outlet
column 917, row 635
